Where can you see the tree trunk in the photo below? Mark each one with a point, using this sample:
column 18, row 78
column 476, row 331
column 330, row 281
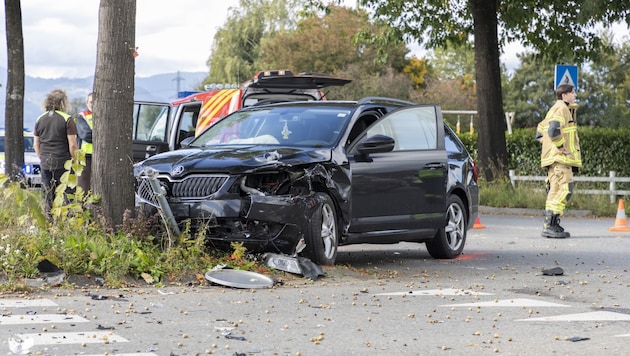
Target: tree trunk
column 492, row 152
column 112, row 164
column 14, row 110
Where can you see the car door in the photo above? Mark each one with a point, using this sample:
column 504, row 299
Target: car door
column 150, row 129
column 402, row 190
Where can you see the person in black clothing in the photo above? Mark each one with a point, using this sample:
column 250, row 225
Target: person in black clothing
column 55, row 141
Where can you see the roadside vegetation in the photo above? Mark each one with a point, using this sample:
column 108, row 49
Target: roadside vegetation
column 530, row 195
column 81, row 243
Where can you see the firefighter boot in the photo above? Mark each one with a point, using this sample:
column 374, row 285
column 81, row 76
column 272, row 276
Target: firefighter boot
column 556, row 221
column 550, row 229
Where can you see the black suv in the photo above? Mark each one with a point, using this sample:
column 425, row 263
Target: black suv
column 307, row 177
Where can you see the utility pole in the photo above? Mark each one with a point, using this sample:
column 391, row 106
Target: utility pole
column 178, row 79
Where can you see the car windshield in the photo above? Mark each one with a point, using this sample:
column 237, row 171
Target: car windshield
column 283, row 125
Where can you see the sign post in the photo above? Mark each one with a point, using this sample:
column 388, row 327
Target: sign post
column 566, row 75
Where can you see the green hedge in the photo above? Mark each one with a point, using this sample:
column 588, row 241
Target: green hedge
column 603, row 150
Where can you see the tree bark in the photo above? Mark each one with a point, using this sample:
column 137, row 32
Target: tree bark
column 14, row 110
column 492, row 152
column 112, row 164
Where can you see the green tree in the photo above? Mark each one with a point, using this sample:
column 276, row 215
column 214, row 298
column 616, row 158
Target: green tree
column 322, row 42
column 529, row 91
column 236, row 48
column 564, row 32
column 451, row 79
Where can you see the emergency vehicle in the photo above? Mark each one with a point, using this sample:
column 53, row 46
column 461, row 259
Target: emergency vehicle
column 31, row 167
column 160, row 127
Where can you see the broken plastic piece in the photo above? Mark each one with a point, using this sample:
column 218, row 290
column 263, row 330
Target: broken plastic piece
column 556, row 271
column 239, row 279
column 578, row 338
column 283, row 263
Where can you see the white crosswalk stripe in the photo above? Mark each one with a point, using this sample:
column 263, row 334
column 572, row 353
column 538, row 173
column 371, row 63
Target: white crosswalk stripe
column 40, row 319
column 10, row 316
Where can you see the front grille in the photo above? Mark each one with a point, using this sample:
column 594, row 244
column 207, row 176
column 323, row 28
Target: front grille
column 197, row 187
column 189, row 187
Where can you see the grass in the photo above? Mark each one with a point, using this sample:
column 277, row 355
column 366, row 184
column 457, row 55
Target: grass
column 502, row 194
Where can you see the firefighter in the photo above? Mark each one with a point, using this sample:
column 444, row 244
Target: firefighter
column 560, row 156
column 84, row 129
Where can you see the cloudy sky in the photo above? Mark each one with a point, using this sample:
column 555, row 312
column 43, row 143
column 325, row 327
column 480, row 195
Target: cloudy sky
column 60, row 36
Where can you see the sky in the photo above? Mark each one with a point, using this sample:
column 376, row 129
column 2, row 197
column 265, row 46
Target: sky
column 60, row 36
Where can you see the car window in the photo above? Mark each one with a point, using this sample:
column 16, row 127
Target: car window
column 289, row 126
column 452, row 144
column 412, row 129
column 150, row 122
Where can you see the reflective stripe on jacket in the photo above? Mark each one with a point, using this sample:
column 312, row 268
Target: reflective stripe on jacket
column 564, row 148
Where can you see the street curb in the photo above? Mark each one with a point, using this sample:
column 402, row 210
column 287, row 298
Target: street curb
column 529, row 212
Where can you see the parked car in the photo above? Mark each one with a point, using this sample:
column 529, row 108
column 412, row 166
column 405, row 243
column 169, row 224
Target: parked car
column 31, row 167
column 306, row 177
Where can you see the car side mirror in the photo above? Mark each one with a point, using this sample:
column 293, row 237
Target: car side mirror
column 186, row 142
column 373, row 144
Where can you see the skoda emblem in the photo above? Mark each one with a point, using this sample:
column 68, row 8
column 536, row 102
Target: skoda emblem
column 177, row 171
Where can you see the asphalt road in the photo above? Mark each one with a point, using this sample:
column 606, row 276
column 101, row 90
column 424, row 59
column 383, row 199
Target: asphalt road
column 378, row 300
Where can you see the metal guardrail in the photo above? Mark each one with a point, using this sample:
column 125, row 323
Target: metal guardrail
column 612, row 181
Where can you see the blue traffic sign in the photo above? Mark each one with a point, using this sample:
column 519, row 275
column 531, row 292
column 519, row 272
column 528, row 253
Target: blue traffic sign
column 566, row 75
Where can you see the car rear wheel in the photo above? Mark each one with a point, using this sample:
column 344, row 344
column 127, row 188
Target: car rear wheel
column 450, row 239
column 322, row 233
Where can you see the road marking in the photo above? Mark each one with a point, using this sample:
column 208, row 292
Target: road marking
column 40, row 319
column 624, row 335
column 29, row 303
column 599, row 315
column 131, row 354
column 88, row 337
column 434, row 292
column 509, row 303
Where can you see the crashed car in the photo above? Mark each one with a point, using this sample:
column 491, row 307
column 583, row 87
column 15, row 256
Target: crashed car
column 302, row 178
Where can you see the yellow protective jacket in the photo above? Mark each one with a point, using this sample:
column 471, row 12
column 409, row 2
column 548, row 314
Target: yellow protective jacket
column 565, row 147
column 85, row 133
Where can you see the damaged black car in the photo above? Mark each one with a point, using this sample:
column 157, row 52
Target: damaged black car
column 303, row 178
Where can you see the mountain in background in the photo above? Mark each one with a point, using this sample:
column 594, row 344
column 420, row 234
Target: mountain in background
column 159, row 87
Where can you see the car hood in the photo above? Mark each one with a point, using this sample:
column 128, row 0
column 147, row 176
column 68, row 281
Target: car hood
column 232, row 159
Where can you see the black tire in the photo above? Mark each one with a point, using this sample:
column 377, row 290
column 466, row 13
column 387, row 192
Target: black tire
column 322, row 233
column 450, row 240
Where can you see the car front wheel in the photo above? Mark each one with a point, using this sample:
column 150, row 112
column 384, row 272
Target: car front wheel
column 322, row 233
column 450, row 239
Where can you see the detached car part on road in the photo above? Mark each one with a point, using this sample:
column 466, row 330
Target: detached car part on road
column 307, row 177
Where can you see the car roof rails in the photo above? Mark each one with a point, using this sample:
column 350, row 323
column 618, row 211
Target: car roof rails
column 384, row 100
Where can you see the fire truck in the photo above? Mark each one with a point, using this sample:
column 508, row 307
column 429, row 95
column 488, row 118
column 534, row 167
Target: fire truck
column 160, row 127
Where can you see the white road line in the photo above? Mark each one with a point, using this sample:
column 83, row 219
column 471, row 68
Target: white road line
column 623, row 335
column 509, row 303
column 88, row 337
column 131, row 354
column 40, row 319
column 28, row 303
column 434, row 292
column 592, row 316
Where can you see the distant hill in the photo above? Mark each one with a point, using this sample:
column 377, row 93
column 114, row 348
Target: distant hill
column 160, row 87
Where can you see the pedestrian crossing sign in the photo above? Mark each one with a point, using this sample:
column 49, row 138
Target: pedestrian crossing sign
column 566, row 75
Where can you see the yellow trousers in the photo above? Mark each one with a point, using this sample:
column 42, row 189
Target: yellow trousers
column 559, row 187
